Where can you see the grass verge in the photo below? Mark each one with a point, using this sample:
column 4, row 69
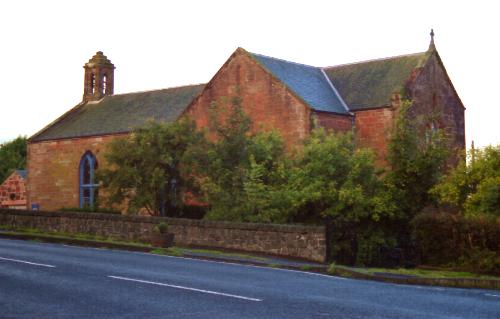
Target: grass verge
column 40, row 235
column 414, row 272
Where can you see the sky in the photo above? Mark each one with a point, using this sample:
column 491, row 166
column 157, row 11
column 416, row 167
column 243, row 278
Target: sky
column 160, row 44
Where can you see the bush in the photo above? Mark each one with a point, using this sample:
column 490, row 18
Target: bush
column 471, row 243
column 162, row 228
column 473, row 186
column 482, row 261
column 375, row 248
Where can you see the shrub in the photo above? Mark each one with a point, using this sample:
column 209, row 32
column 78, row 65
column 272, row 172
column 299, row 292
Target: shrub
column 481, row 261
column 449, row 239
column 473, row 186
column 162, row 227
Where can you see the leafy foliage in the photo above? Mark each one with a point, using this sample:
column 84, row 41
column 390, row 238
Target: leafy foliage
column 239, row 171
column 145, row 170
column 334, row 183
column 474, row 187
column 250, row 177
column 12, row 156
column 417, row 158
column 467, row 242
column 333, row 179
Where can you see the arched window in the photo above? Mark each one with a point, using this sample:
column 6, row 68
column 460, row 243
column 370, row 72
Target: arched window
column 104, row 84
column 92, row 83
column 88, row 184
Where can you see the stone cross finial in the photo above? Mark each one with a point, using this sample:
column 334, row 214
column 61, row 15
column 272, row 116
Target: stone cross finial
column 431, row 45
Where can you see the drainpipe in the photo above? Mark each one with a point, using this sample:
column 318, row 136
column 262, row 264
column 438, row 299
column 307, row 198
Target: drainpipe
column 353, row 126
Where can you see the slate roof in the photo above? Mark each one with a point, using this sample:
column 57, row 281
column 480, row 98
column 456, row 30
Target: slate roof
column 370, row 84
column 337, row 89
column 307, row 82
column 120, row 113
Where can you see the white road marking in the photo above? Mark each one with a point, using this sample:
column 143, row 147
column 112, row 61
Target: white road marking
column 492, row 295
column 186, row 288
column 218, row 262
column 247, row 265
column 27, row 262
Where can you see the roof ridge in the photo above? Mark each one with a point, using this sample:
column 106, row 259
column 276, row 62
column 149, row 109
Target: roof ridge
column 326, row 99
column 373, row 60
column 156, row 90
column 335, row 91
column 283, row 60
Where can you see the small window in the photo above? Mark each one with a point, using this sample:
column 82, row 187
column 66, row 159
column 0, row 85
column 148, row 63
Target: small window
column 92, row 83
column 104, row 84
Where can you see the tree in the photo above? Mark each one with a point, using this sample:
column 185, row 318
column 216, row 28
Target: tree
column 146, row 170
column 332, row 178
column 334, row 183
column 238, row 170
column 417, row 159
column 12, row 156
column 473, row 186
column 266, row 177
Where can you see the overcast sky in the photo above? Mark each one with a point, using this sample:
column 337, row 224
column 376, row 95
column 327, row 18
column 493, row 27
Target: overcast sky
column 159, row 44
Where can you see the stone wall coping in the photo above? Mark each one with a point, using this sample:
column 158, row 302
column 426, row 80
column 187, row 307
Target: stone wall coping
column 171, row 221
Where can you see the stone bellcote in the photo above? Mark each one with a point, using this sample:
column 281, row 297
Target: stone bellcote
column 99, row 77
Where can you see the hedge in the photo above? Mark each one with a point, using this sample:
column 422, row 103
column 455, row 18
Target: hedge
column 446, row 239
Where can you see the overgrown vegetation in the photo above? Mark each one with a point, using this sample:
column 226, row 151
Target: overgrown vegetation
column 145, row 170
column 473, row 187
column 462, row 242
column 240, row 172
column 236, row 174
column 12, row 156
column 417, row 155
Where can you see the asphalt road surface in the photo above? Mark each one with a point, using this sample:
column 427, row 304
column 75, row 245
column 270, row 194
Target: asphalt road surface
column 40, row 280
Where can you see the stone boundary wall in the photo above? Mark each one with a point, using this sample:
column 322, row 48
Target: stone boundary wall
column 305, row 242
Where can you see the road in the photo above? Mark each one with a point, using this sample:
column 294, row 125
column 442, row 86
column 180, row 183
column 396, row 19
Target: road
column 39, row 280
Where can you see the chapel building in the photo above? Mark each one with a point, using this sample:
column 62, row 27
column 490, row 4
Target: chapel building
column 293, row 98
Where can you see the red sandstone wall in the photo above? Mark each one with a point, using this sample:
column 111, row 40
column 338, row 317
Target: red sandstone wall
column 434, row 98
column 267, row 101
column 13, row 192
column 335, row 122
column 53, row 170
column 373, row 130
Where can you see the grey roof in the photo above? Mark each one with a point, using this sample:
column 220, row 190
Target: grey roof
column 120, row 113
column 307, row 82
column 22, row 172
column 371, row 83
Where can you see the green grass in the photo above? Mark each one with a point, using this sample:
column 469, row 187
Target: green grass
column 64, row 235
column 222, row 253
column 431, row 273
column 171, row 251
column 158, row 251
column 422, row 273
column 306, row 267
